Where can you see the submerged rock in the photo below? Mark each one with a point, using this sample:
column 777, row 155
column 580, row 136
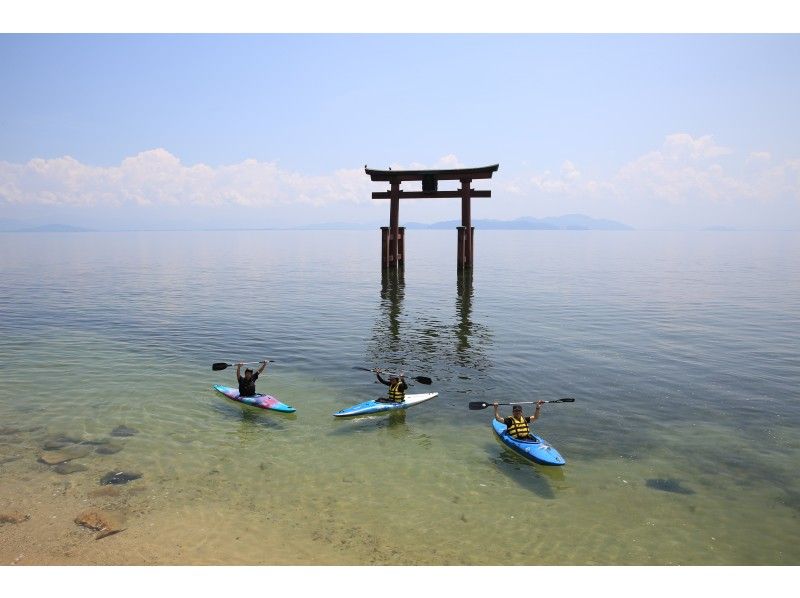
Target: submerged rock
column 96, row 442
column 10, row 431
column 65, row 454
column 668, row 485
column 67, row 468
column 123, row 431
column 101, row 521
column 119, row 477
column 55, row 445
column 108, row 449
column 14, row 517
column 63, row 438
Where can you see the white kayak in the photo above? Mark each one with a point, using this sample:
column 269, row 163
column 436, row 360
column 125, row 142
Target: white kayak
column 379, row 407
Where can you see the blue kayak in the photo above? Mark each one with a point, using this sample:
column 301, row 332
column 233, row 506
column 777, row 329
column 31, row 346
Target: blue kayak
column 536, row 448
column 378, row 407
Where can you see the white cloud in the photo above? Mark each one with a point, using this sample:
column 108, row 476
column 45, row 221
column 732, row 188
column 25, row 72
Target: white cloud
column 680, row 177
column 569, row 172
column 681, row 170
column 781, row 180
column 156, row 177
column 548, row 183
column 684, row 170
column 448, row 161
column 682, row 145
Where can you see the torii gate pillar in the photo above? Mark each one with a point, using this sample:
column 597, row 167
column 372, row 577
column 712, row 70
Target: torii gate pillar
column 466, row 232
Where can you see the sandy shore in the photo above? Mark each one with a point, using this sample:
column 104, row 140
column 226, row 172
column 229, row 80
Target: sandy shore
column 39, row 507
column 50, row 535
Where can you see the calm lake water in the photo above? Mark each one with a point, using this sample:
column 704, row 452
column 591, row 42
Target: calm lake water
column 681, row 350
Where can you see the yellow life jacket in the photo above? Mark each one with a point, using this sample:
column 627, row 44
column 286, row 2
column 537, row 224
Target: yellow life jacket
column 519, row 427
column 396, row 394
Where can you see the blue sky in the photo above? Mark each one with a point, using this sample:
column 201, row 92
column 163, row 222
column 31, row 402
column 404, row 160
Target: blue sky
column 658, row 131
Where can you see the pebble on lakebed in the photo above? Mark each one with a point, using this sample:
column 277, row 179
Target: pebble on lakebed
column 67, row 468
column 668, row 485
column 123, row 431
column 119, row 477
column 101, row 521
column 65, row 454
column 108, row 449
column 63, row 439
column 14, row 517
column 55, row 445
column 9, row 431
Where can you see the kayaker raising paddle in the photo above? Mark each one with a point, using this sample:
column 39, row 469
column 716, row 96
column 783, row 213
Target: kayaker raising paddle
column 397, row 388
column 517, row 424
column 247, row 383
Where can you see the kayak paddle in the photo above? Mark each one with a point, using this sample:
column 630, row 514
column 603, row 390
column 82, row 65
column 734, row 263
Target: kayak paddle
column 420, row 379
column 222, row 365
column 480, row 405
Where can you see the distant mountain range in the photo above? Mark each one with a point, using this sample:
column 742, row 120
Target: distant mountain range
column 566, row 222
column 15, row 226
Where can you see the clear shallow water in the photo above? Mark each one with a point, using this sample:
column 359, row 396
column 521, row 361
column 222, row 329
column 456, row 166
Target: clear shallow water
column 680, row 349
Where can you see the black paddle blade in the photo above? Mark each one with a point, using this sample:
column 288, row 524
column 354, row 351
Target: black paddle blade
column 562, row 401
column 423, row 380
column 478, row 405
column 219, row 366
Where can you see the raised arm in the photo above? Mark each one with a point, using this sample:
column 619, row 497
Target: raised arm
column 381, row 380
column 239, row 371
column 497, row 414
column 263, row 365
column 535, row 415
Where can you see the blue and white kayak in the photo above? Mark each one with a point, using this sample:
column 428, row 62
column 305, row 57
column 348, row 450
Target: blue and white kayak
column 261, row 401
column 378, row 407
column 536, row 449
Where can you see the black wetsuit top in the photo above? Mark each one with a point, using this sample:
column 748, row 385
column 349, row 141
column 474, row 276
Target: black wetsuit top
column 248, row 389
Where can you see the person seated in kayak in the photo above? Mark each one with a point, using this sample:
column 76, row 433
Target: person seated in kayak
column 397, row 388
column 517, row 424
column 247, row 383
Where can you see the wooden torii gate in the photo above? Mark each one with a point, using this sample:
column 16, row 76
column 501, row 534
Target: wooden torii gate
column 393, row 236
